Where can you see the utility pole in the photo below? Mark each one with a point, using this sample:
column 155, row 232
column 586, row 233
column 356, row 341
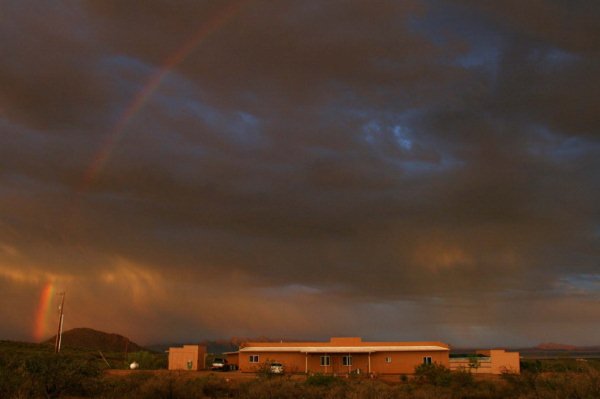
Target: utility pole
column 60, row 323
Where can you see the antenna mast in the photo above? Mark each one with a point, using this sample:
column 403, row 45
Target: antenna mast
column 60, row 323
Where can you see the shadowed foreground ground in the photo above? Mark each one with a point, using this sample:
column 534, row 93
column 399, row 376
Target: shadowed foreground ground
column 64, row 377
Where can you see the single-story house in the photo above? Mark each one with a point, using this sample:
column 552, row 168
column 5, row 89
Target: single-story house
column 341, row 355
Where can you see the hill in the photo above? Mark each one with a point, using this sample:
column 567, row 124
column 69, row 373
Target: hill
column 554, row 346
column 557, row 347
column 87, row 338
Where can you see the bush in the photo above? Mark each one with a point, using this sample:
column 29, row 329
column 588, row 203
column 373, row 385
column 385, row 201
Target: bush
column 321, row 380
column 147, row 360
column 54, row 375
column 264, row 369
column 462, row 379
column 434, row 374
column 280, row 388
column 127, row 386
column 12, row 377
column 584, row 384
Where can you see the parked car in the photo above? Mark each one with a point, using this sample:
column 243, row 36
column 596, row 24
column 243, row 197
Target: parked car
column 219, row 364
column 276, row 368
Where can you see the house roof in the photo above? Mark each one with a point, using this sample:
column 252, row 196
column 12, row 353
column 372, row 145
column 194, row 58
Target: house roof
column 345, row 349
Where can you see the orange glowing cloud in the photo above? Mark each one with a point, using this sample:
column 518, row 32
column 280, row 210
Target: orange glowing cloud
column 440, row 256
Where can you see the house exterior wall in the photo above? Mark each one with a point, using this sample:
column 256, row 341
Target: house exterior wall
column 292, row 361
column 484, row 365
column 233, row 358
column 188, row 357
column 402, row 361
column 494, row 361
column 503, row 361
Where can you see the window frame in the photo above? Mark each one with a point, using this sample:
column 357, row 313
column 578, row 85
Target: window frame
column 253, row 358
column 325, row 360
column 388, row 359
column 347, row 360
column 427, row 360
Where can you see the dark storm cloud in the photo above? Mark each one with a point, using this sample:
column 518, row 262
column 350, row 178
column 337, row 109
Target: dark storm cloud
column 47, row 74
column 387, row 159
column 569, row 25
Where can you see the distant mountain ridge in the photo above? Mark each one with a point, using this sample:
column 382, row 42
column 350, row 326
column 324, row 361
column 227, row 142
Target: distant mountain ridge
column 554, row 346
column 88, row 338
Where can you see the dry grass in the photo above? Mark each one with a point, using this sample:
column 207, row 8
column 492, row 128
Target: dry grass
column 45, row 377
column 584, row 384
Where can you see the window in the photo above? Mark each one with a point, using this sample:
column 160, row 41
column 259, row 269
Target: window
column 388, row 359
column 347, row 360
column 253, row 358
column 325, row 360
column 427, row 360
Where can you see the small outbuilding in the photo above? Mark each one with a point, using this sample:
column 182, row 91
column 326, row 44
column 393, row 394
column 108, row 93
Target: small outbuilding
column 188, row 357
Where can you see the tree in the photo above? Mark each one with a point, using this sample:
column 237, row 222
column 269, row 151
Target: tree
column 474, row 363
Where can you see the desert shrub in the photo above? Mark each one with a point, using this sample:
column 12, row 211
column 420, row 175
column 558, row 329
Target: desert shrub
column 534, row 366
column 368, row 389
column 280, row 388
column 594, row 364
column 461, row 379
column 147, row 360
column 562, row 365
column 519, row 385
column 165, row 386
column 214, row 387
column 434, row 374
column 263, row 370
column 584, row 384
column 334, row 391
column 591, row 382
column 321, row 380
column 127, row 386
column 482, row 390
column 160, row 387
column 12, row 377
column 55, row 375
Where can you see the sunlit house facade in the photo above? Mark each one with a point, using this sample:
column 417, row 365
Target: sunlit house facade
column 342, row 356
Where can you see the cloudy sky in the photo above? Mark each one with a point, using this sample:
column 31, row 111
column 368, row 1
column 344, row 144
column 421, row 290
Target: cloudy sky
column 396, row 170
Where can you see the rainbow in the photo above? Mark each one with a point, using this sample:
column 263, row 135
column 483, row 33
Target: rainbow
column 41, row 317
column 137, row 103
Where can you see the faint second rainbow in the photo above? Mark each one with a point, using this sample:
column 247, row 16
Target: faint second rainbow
column 115, row 134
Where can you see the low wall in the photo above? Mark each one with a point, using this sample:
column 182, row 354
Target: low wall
column 493, row 361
